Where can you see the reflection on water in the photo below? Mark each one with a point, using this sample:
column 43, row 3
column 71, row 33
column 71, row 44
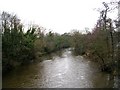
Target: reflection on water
column 62, row 71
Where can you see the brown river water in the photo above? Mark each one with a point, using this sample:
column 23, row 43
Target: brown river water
column 60, row 71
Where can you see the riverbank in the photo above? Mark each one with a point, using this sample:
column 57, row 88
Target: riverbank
column 61, row 71
column 37, row 59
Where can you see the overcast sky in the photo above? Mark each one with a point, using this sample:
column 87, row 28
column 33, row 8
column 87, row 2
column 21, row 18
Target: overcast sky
column 58, row 15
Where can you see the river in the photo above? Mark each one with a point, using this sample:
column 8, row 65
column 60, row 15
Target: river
column 60, row 71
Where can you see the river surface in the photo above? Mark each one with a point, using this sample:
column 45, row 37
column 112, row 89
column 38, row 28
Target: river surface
column 61, row 71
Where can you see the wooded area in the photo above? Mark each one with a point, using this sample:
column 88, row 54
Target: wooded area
column 102, row 45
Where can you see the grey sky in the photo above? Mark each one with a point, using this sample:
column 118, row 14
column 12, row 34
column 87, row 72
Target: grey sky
column 58, row 15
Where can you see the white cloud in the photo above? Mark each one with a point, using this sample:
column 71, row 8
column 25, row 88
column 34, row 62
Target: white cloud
column 59, row 15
